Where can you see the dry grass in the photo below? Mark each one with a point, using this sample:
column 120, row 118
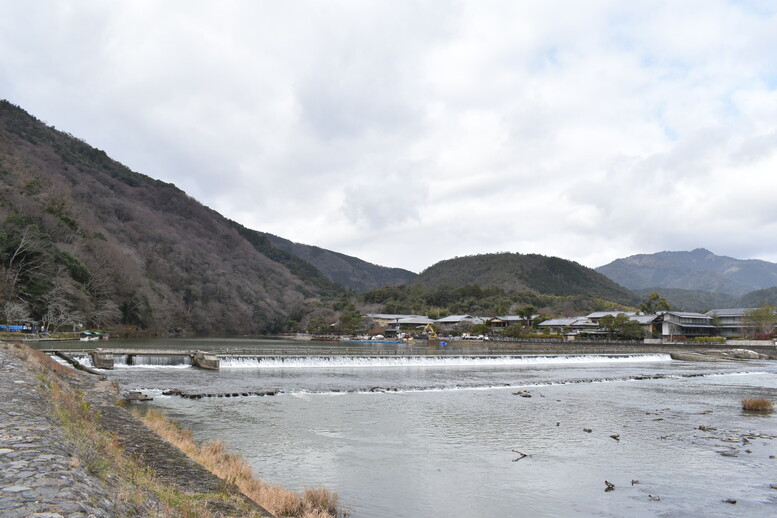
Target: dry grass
column 313, row 503
column 757, row 405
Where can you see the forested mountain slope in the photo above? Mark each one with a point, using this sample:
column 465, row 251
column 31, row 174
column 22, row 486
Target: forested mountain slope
column 524, row 272
column 83, row 239
column 758, row 298
column 345, row 270
column 691, row 300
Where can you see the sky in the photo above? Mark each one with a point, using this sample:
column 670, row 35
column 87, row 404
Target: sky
column 409, row 132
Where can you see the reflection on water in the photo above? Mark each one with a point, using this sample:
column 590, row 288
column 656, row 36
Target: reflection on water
column 443, row 440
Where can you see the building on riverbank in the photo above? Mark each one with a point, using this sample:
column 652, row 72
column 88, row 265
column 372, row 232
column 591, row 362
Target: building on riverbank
column 662, row 326
column 730, row 322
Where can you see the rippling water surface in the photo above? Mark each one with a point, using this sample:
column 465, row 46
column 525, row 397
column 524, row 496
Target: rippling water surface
column 428, row 436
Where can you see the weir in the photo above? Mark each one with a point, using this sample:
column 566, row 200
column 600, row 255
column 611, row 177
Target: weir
column 109, row 358
column 361, row 356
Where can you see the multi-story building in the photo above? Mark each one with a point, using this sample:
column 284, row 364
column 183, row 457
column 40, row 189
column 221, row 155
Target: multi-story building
column 676, row 324
column 730, row 323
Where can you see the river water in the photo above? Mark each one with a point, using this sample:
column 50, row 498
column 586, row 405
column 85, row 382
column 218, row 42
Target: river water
column 429, row 436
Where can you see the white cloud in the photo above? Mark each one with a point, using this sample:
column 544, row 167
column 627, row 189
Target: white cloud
column 409, row 132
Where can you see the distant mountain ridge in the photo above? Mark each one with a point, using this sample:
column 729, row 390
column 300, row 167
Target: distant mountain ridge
column 698, row 270
column 345, row 270
column 524, row 272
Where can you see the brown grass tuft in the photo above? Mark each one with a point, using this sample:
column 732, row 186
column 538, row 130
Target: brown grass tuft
column 314, row 503
column 757, row 405
column 323, row 499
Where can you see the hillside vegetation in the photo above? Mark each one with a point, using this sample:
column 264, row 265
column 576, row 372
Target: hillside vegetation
column 758, row 298
column 351, row 272
column 530, row 273
column 474, row 300
column 83, row 239
column 692, row 300
column 503, row 284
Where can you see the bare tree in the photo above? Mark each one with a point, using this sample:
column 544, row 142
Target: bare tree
column 106, row 311
column 23, row 261
column 58, row 312
column 15, row 312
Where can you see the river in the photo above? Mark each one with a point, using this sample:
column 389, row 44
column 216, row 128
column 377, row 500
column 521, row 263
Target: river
column 490, row 436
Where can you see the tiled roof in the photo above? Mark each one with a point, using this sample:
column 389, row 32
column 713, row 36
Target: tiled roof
column 388, row 316
column 453, row 319
column 415, row 321
column 731, row 312
column 600, row 314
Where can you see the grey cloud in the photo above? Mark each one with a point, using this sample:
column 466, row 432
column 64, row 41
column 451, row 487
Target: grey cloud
column 352, row 111
column 755, row 148
column 387, row 202
column 606, row 126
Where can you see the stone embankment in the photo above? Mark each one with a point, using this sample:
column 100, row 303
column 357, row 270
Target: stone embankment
column 37, row 476
column 42, row 476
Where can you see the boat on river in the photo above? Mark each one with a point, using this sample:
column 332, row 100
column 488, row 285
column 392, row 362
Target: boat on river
column 90, row 336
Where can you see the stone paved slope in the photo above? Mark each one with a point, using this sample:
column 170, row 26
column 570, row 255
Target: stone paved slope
column 39, row 476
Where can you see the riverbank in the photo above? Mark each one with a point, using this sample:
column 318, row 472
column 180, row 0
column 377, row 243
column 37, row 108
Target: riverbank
column 67, row 449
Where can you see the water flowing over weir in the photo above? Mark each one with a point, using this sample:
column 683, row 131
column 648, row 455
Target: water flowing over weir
column 140, row 360
column 281, row 362
column 229, row 361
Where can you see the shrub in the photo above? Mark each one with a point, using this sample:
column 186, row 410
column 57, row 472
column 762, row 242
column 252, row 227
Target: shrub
column 321, row 499
column 757, row 405
column 78, row 270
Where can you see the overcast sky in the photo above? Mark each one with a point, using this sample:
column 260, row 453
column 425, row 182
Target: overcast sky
column 408, row 132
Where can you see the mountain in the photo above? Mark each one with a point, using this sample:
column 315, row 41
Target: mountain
column 692, row 300
column 699, row 270
column 85, row 240
column 524, row 272
column 759, row 298
column 345, row 270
